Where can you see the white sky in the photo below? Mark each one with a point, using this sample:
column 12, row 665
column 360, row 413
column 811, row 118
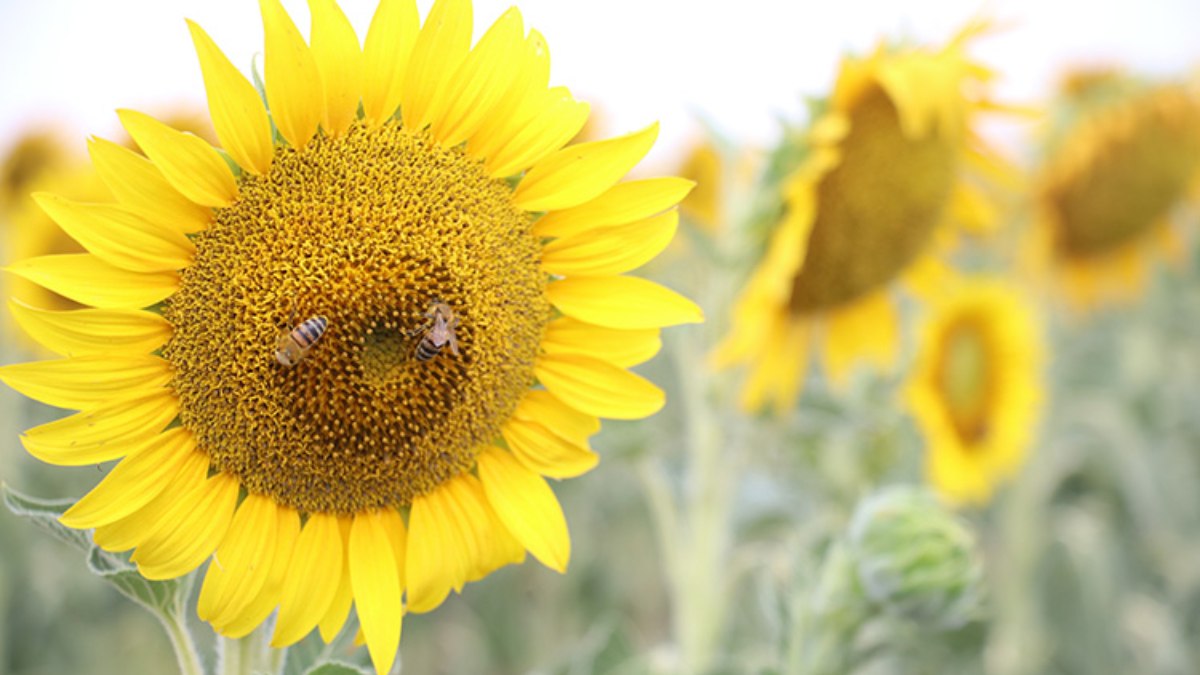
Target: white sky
column 740, row 64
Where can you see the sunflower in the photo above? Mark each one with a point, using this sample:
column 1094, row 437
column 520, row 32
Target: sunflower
column 1121, row 157
column 475, row 321
column 976, row 388
column 880, row 176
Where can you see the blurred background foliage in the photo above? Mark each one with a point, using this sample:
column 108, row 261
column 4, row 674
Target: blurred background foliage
column 713, row 541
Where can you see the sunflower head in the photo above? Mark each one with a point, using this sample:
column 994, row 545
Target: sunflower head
column 916, row 559
column 976, row 388
column 1120, row 157
column 345, row 354
column 876, row 177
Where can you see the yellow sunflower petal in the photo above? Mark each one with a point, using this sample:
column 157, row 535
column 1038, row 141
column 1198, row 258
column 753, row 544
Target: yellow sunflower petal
column 104, row 433
column 440, row 47
column 598, row 388
column 201, row 522
column 437, row 555
column 623, row 348
column 467, row 510
column 502, row 547
column 264, row 602
column 480, row 81
column 385, row 57
column 139, row 185
column 88, row 280
column 242, row 562
column 611, row 250
column 377, row 587
column 93, row 331
column 119, row 236
column 339, row 59
column 622, row 203
column 343, row 598
column 581, row 172
column 493, row 546
column 542, row 407
column 558, row 119
column 188, row 163
column 311, row 584
column 295, row 93
column 236, row 110
column 622, row 302
column 142, row 524
column 766, row 371
column 527, row 507
column 133, row 482
column 86, row 381
column 866, row 331
column 547, row 453
column 519, row 103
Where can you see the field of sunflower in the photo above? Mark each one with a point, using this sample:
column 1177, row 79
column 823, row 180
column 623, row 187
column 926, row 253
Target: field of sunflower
column 394, row 360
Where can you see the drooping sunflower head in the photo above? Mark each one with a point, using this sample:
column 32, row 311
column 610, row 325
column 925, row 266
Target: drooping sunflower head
column 1121, row 156
column 976, row 388
column 401, row 308
column 878, row 175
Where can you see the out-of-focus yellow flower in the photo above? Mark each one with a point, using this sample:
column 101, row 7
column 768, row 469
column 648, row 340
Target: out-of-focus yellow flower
column 879, row 177
column 1121, row 154
column 705, row 205
column 39, row 161
column 976, row 389
column 344, row 356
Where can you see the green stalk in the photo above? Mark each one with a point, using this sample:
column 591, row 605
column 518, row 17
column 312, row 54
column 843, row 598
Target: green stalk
column 181, row 643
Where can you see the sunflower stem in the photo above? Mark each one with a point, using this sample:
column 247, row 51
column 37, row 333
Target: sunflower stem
column 275, row 659
column 237, row 656
column 181, row 643
column 699, row 586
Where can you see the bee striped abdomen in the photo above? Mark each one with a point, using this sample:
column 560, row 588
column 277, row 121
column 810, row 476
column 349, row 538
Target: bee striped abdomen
column 426, row 349
column 294, row 346
column 438, row 333
column 307, row 333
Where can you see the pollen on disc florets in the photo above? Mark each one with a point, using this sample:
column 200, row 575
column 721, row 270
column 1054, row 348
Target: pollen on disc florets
column 368, row 229
column 877, row 209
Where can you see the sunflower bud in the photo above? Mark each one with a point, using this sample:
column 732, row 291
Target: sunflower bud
column 915, row 558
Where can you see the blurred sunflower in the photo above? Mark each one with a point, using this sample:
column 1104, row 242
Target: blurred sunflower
column 39, row 160
column 702, row 163
column 877, row 178
column 1121, row 155
column 416, row 195
column 976, row 388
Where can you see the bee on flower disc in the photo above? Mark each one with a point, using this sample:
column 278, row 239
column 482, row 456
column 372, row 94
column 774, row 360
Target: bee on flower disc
column 295, row 345
column 438, row 332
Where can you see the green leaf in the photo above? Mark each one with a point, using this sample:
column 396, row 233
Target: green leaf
column 160, row 597
column 165, row 597
column 336, row 668
column 44, row 513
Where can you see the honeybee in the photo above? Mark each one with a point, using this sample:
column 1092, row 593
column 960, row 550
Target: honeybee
column 294, row 346
column 438, row 332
